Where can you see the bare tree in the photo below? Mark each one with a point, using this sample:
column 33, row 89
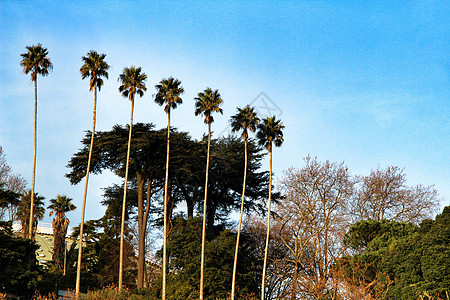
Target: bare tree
column 12, row 183
column 384, row 195
column 312, row 221
column 5, row 169
column 277, row 278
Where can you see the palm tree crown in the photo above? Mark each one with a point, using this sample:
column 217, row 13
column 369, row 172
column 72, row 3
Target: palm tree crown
column 208, row 102
column 61, row 205
column 36, row 61
column 169, row 91
column 132, row 82
column 24, row 209
column 244, row 120
column 270, row 132
column 94, row 67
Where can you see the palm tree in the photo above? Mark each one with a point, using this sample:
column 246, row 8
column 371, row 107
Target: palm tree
column 60, row 206
column 206, row 103
column 132, row 83
column 244, row 120
column 169, row 91
column 36, row 62
column 269, row 133
column 23, row 213
column 95, row 68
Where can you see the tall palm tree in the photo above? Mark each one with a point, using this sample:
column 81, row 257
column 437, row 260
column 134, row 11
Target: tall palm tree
column 132, row 83
column 23, row 213
column 270, row 132
column 169, row 91
column 95, row 68
column 206, row 103
column 36, row 62
column 60, row 206
column 244, row 120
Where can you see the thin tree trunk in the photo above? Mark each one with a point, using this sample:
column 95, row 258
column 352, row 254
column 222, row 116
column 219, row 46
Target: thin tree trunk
column 166, row 182
column 30, row 227
column 141, row 230
column 122, row 228
column 147, row 208
column 295, row 279
column 83, row 210
column 189, row 206
column 268, row 230
column 202, row 267
column 233, row 284
column 145, row 219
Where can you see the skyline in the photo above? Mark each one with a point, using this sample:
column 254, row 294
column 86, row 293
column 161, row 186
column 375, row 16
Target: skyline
column 363, row 83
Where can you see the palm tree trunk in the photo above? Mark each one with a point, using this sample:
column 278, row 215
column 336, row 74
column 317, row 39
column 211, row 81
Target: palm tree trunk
column 30, row 227
column 122, row 228
column 268, row 230
column 147, row 208
column 165, row 209
column 83, row 211
column 202, row 267
column 239, row 228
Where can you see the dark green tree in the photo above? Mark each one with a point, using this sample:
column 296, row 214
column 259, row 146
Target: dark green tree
column 146, row 168
column 19, row 269
column 100, row 260
column 400, row 260
column 147, row 159
column 184, row 249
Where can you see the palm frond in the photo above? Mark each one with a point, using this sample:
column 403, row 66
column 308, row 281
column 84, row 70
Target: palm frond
column 270, row 132
column 94, row 67
column 35, row 61
column 168, row 93
column 206, row 103
column 244, row 120
column 132, row 82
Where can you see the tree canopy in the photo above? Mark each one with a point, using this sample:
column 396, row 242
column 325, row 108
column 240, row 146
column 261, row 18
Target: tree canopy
column 147, row 159
column 400, row 260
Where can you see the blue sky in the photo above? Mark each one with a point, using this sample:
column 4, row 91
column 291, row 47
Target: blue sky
column 364, row 82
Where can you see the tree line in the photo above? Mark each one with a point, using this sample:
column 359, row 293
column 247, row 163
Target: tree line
column 132, row 82
column 320, row 248
column 300, row 250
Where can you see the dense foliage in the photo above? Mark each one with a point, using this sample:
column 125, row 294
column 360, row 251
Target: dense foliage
column 184, row 253
column 19, row 270
column 399, row 260
column 322, row 243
